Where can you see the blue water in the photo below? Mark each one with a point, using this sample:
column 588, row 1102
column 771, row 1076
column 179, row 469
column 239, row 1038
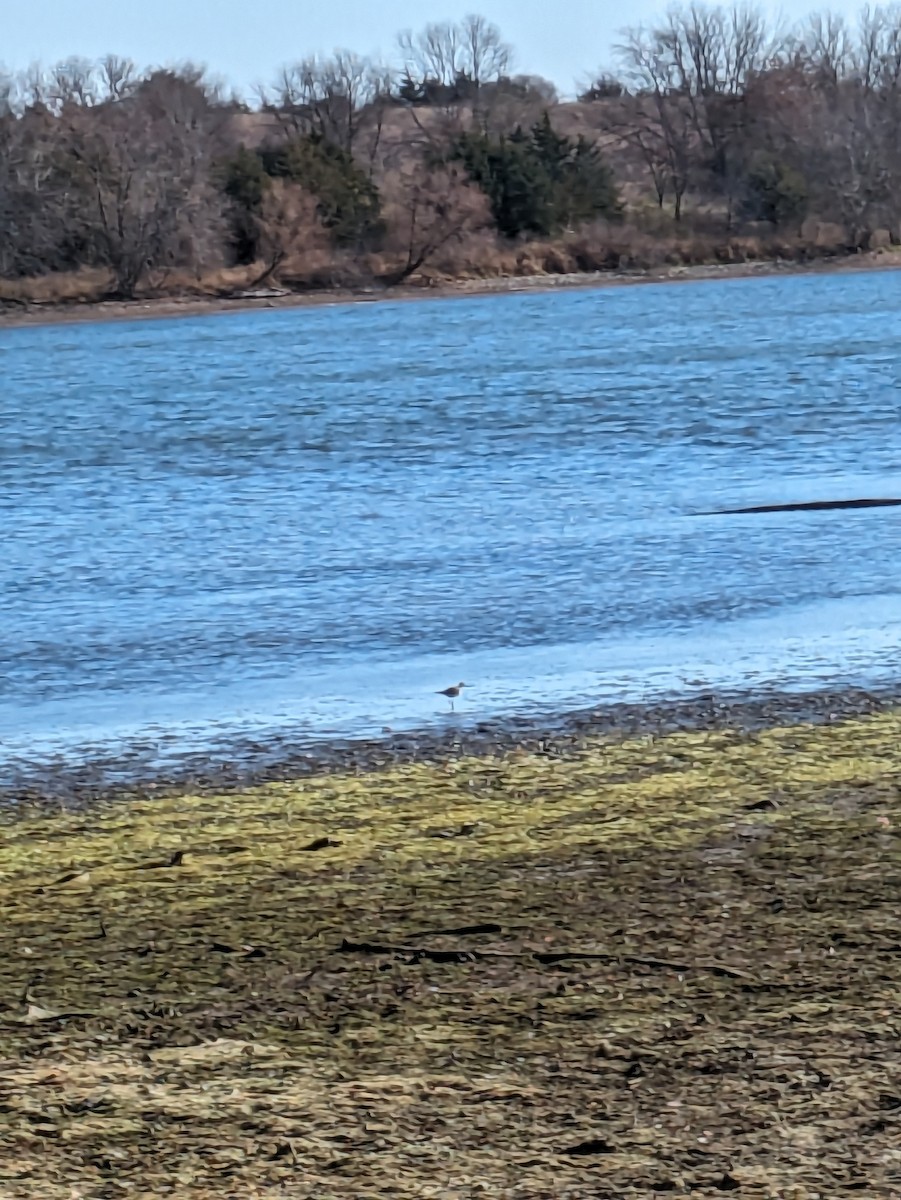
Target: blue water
column 310, row 520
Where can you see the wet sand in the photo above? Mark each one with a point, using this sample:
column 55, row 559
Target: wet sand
column 13, row 314
column 635, row 951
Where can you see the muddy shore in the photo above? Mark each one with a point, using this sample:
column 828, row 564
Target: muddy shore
column 656, row 953
column 14, row 314
column 91, row 776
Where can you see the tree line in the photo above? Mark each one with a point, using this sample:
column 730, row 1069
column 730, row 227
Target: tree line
column 346, row 169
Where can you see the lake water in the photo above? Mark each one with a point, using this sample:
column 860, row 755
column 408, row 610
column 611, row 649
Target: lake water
column 310, row 520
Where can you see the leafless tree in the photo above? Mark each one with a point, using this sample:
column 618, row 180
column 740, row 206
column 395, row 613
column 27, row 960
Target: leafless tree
column 119, row 76
column 9, row 192
column 7, row 85
column 659, row 118
column 536, row 87
column 837, row 128
column 827, row 46
column 185, row 97
column 72, row 83
column 514, row 102
column 695, row 66
column 337, row 98
column 876, row 52
column 37, row 209
column 456, row 76
column 288, row 226
column 654, row 134
column 142, row 168
column 455, row 65
column 31, row 89
column 427, row 211
column 444, row 53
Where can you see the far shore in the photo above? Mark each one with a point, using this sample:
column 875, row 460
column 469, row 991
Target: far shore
column 16, row 314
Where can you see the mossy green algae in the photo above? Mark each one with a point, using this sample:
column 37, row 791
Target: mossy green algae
column 198, row 939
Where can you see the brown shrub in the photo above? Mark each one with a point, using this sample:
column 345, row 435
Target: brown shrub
column 556, row 259
column 479, row 255
column 292, row 238
column 427, row 213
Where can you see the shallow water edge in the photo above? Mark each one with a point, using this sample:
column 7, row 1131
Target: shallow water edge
column 87, row 777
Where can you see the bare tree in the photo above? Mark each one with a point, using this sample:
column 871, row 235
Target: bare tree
column 659, row 119
column 661, row 138
column 516, row 102
column 74, row 82
column 10, row 192
column 827, row 47
column 38, row 209
column 426, row 211
column 71, row 83
column 185, row 97
column 32, row 89
column 487, row 57
column 456, row 76
column 119, row 76
column 7, row 85
column 534, row 87
column 104, row 167
column 832, row 122
column 288, row 227
column 452, row 61
column 695, row 66
column 142, row 168
column 337, row 98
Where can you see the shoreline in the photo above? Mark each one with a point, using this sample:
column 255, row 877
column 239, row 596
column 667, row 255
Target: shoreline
column 237, row 764
column 646, row 964
column 15, row 314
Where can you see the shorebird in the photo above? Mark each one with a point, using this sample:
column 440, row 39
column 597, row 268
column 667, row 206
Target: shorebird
column 452, row 693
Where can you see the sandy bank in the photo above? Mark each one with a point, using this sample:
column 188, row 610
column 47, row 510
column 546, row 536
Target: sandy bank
column 14, row 315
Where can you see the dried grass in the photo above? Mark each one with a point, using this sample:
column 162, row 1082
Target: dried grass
column 321, row 269
column 616, row 969
column 85, row 286
column 220, row 281
column 649, row 241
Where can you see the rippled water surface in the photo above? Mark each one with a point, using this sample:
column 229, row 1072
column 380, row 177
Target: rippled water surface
column 314, row 518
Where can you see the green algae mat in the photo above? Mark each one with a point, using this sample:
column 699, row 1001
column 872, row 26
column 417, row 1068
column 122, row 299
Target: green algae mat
column 619, row 968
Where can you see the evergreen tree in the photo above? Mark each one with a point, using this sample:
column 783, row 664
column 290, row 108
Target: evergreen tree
column 539, row 181
column 411, row 91
column 244, row 181
column 775, row 191
column 347, row 199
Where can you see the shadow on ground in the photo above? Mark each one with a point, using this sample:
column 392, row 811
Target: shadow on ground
column 621, row 968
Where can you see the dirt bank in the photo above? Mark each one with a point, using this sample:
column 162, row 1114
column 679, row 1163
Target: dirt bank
column 167, row 307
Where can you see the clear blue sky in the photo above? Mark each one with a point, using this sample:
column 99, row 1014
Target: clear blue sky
column 246, row 40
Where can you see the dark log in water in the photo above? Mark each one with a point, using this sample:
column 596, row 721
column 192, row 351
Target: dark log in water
column 806, row 506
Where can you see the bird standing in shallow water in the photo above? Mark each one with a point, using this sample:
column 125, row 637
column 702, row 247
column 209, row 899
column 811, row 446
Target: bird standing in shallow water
column 452, row 693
